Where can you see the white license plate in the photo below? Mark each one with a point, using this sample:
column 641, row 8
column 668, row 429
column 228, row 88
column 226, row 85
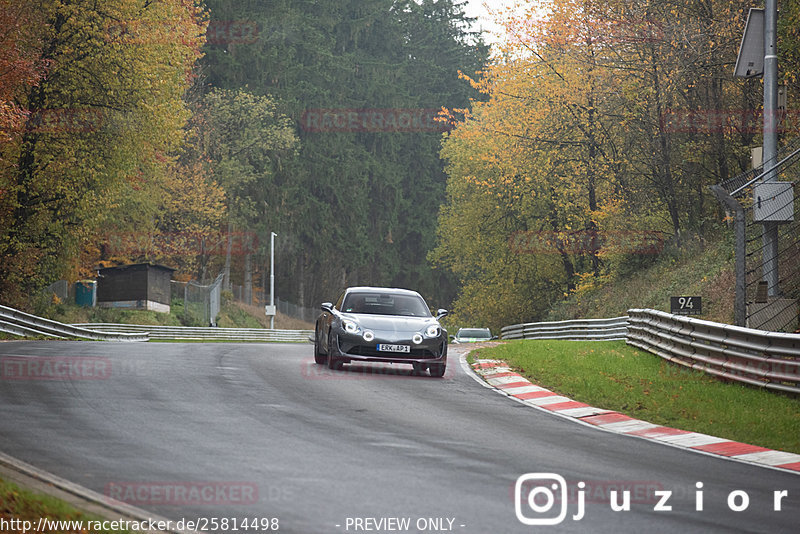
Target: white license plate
column 394, row 348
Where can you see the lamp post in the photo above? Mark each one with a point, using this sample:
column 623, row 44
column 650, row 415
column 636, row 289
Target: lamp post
column 272, row 279
column 770, row 142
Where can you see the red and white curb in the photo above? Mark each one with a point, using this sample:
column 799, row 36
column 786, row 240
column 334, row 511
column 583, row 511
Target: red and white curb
column 499, row 376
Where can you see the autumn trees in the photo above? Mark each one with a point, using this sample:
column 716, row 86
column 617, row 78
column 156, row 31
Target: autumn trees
column 97, row 90
column 243, row 137
column 358, row 204
column 584, row 147
column 20, row 64
column 604, row 124
column 172, row 131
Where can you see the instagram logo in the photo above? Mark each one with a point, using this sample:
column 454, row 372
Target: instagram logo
column 537, row 494
column 541, row 498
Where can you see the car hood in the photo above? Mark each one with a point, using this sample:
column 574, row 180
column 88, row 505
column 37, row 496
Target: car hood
column 391, row 323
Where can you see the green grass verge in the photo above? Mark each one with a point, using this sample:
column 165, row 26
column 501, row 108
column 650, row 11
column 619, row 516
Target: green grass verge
column 699, row 268
column 23, row 505
column 231, row 315
column 71, row 313
column 616, row 376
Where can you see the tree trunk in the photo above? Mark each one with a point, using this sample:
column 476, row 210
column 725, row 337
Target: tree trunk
column 663, row 175
column 301, row 288
column 226, row 278
column 247, row 291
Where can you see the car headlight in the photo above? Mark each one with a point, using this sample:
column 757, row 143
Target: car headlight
column 432, row 331
column 351, row 327
column 368, row 336
column 417, row 338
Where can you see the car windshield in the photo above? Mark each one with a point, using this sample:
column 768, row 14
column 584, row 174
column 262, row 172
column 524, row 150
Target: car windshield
column 386, row 304
column 474, row 332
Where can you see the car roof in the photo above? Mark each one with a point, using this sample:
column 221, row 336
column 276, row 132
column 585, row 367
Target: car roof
column 370, row 289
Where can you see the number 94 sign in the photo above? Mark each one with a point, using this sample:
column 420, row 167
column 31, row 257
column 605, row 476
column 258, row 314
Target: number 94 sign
column 686, row 305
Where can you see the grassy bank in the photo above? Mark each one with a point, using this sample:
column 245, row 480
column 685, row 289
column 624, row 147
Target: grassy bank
column 615, row 376
column 702, row 268
column 232, row 315
column 18, row 505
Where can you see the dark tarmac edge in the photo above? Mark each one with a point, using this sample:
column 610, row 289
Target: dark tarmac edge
column 36, row 480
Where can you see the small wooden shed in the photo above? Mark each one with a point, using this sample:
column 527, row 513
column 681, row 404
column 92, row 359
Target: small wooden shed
column 140, row 286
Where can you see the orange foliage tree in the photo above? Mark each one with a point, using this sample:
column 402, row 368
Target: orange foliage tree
column 579, row 150
column 99, row 133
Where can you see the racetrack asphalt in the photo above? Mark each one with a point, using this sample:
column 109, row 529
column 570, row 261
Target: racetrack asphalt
column 259, row 431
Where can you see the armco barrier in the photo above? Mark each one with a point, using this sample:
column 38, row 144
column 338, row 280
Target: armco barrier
column 756, row 357
column 205, row 333
column 586, row 329
column 24, row 324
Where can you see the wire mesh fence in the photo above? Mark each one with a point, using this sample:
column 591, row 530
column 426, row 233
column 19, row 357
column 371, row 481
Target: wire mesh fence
column 201, row 303
column 241, row 294
column 177, row 289
column 771, row 277
column 60, row 289
column 776, row 311
column 295, row 311
column 259, row 298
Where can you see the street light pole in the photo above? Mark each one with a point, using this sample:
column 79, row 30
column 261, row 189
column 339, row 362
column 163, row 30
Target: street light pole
column 272, row 278
column 770, row 146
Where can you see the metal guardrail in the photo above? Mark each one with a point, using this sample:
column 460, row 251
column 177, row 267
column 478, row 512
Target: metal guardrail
column 755, row 357
column 23, row 324
column 580, row 329
column 206, row 333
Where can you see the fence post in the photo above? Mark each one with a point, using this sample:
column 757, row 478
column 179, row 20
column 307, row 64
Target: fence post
column 739, row 227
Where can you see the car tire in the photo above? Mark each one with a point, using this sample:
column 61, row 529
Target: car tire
column 333, row 362
column 319, row 357
column 437, row 369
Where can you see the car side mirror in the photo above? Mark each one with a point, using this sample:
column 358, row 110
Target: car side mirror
column 327, row 306
column 441, row 313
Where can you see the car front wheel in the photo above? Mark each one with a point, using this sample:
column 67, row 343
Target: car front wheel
column 319, row 356
column 437, row 369
column 333, row 348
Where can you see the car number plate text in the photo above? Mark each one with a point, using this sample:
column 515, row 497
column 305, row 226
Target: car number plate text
column 394, row 348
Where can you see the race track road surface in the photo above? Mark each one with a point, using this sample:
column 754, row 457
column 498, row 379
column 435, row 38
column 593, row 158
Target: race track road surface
column 258, row 431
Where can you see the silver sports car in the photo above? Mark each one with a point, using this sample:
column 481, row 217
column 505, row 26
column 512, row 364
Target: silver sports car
column 378, row 324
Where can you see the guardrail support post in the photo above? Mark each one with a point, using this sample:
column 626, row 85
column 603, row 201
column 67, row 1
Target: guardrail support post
column 739, row 227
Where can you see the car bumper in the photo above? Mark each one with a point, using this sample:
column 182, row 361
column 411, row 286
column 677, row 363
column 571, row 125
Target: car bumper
column 355, row 348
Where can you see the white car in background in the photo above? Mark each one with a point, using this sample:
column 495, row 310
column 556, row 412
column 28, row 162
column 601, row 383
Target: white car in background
column 472, row 335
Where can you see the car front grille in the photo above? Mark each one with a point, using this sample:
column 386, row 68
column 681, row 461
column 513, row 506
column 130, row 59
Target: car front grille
column 372, row 352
